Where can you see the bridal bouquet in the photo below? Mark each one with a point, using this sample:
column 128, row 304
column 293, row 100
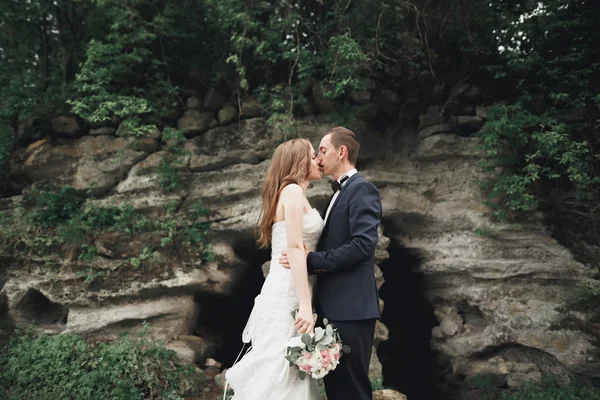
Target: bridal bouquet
column 318, row 353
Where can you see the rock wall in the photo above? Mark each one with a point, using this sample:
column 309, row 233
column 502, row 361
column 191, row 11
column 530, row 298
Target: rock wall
column 498, row 292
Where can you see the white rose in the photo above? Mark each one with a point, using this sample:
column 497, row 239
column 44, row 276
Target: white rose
column 315, row 363
column 318, row 374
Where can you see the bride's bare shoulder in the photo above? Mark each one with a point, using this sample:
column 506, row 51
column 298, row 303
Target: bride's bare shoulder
column 292, row 190
column 292, row 197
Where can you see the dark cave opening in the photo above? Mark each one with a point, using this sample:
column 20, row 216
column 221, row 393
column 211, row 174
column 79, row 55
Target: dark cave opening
column 222, row 318
column 36, row 308
column 409, row 365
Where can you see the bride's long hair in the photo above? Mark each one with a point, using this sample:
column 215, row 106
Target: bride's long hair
column 291, row 163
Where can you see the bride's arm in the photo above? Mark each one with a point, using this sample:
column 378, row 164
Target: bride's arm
column 292, row 199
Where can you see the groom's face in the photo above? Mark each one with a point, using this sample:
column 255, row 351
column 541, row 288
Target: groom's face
column 327, row 159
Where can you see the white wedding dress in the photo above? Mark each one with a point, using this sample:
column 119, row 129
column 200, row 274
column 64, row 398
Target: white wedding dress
column 264, row 373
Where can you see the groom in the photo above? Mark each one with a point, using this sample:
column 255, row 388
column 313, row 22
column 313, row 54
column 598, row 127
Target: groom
column 346, row 292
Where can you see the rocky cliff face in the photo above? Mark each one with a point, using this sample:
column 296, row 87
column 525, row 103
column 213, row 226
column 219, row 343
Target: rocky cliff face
column 497, row 295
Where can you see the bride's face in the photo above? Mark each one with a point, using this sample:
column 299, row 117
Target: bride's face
column 315, row 173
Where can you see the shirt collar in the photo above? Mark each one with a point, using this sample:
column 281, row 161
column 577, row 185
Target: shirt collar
column 348, row 174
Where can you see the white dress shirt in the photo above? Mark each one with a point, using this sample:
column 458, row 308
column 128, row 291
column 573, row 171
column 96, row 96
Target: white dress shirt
column 336, row 194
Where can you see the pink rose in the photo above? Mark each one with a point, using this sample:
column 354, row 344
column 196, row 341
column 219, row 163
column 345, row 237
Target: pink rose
column 305, row 368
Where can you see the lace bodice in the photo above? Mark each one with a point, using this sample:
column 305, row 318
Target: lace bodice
column 279, row 281
column 312, row 228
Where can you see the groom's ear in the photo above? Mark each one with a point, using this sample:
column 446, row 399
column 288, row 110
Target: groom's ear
column 343, row 151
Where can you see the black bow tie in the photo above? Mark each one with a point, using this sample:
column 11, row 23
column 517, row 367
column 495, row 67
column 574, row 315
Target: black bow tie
column 335, row 185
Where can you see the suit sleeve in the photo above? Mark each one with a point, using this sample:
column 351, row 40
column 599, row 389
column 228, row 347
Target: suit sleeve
column 365, row 214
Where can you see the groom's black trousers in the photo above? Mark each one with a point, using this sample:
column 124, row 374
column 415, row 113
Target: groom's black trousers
column 350, row 380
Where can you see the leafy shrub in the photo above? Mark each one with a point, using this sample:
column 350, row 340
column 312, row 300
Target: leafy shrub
column 66, row 367
column 55, row 206
column 522, row 149
column 108, row 218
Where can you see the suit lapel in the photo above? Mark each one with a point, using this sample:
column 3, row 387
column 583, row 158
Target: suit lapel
column 348, row 183
column 327, row 206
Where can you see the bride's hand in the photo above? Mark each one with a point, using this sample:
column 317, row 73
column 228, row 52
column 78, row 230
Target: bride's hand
column 304, row 320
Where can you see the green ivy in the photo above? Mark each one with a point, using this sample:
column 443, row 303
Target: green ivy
column 67, row 367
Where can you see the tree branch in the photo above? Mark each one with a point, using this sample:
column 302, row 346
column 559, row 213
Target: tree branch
column 292, row 71
column 379, row 52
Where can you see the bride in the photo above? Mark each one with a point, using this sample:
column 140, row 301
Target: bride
column 288, row 223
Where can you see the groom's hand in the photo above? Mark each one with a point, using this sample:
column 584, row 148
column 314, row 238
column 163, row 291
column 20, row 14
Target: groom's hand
column 283, row 260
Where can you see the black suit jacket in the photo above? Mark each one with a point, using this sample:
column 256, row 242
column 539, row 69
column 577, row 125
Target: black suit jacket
column 345, row 257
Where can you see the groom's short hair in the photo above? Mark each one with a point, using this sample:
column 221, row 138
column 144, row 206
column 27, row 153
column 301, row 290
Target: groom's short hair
column 344, row 136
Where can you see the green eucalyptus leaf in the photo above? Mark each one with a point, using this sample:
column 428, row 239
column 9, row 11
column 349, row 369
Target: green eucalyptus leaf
column 306, row 339
column 319, row 333
column 328, row 339
column 329, row 330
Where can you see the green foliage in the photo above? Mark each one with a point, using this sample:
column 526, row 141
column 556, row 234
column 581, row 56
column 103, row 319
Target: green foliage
column 40, row 49
column 123, row 61
column 89, row 275
column 108, row 218
column 481, row 232
column 167, row 173
column 146, row 254
column 348, row 59
column 377, row 384
column 550, row 388
column 125, row 55
column 589, row 289
column 58, row 222
column 287, row 47
column 549, row 137
column 67, row 367
column 522, row 149
column 168, row 176
column 588, row 298
column 87, row 252
column 55, row 206
column 283, row 123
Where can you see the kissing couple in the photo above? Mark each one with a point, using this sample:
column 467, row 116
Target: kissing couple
column 338, row 248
